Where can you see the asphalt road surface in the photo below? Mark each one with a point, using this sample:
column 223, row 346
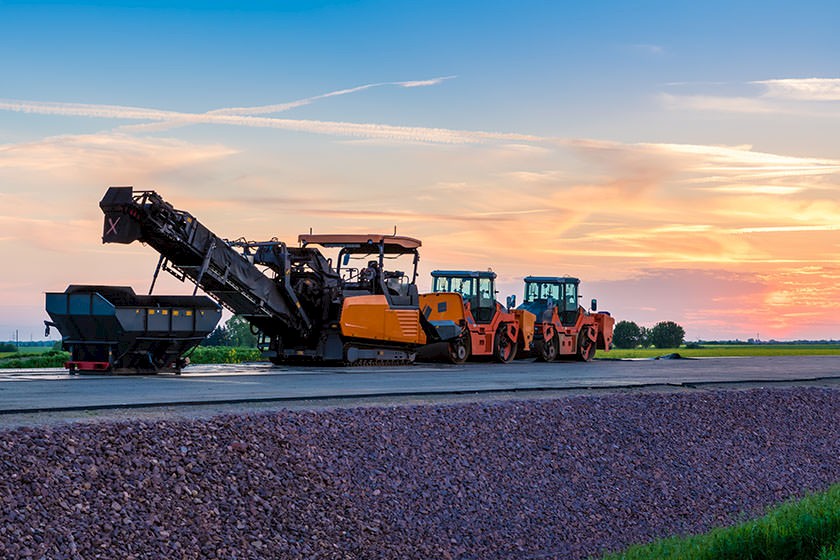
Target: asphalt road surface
column 24, row 391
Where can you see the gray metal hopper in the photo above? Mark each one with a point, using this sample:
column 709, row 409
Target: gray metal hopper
column 112, row 329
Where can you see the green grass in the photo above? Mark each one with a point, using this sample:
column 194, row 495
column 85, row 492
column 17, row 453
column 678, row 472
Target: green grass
column 29, row 350
column 34, row 357
column 724, row 350
column 807, row 529
column 55, row 358
column 43, row 359
column 224, row 355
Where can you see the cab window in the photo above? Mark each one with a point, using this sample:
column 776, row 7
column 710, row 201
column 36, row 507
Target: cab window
column 570, row 297
column 486, row 297
column 441, row 284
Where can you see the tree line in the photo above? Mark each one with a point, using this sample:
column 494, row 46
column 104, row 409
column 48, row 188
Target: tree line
column 665, row 334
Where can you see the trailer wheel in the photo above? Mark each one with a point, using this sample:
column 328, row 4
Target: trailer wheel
column 504, row 348
column 548, row 349
column 459, row 350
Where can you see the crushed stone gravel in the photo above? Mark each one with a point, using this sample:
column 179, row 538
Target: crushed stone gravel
column 564, row 478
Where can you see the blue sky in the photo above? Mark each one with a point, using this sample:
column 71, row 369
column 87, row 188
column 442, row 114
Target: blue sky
column 645, row 147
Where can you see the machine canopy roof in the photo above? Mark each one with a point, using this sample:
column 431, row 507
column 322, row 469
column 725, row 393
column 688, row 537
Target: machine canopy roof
column 463, row 273
column 362, row 243
column 553, row 279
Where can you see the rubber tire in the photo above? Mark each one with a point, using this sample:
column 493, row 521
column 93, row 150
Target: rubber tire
column 504, row 349
column 549, row 349
column 585, row 352
column 459, row 350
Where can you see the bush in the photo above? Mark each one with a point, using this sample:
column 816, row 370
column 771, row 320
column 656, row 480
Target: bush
column 224, row 355
column 666, row 334
column 51, row 359
column 626, row 335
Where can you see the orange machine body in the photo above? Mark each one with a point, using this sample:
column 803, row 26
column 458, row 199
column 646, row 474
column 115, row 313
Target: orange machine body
column 489, row 330
column 373, row 318
column 564, row 329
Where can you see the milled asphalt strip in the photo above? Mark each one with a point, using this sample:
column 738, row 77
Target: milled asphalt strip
column 398, row 394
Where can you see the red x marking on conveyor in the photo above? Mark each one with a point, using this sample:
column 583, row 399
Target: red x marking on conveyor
column 112, row 228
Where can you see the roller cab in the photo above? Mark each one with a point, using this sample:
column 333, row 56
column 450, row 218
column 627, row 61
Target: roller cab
column 564, row 329
column 487, row 328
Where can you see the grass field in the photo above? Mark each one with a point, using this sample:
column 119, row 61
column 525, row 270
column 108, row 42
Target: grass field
column 45, row 357
column 724, row 350
column 807, row 529
column 28, row 350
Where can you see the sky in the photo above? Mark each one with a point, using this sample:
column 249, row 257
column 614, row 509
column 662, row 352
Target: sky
column 680, row 158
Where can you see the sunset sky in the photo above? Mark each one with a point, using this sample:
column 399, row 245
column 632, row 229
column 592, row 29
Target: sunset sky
column 682, row 159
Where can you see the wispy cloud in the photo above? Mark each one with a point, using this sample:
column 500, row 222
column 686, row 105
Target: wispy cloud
column 281, row 107
column 720, row 103
column 84, row 153
column 648, row 48
column 798, row 228
column 333, row 128
column 423, row 83
column 744, row 159
column 726, row 161
column 787, row 96
column 425, row 217
column 779, row 190
column 803, row 89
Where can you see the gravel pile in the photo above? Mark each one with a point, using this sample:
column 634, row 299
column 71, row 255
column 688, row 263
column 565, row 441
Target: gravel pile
column 562, row 478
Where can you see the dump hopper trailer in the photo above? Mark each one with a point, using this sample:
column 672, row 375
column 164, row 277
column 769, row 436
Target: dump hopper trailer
column 112, row 329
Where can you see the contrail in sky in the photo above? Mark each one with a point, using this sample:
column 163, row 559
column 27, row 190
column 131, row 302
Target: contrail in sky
column 246, row 116
column 335, row 128
column 265, row 109
column 280, row 107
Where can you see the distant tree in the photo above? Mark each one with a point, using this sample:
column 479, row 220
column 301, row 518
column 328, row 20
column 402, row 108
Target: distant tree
column 239, row 332
column 7, row 347
column 627, row 334
column 644, row 337
column 219, row 337
column 235, row 332
column 666, row 334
